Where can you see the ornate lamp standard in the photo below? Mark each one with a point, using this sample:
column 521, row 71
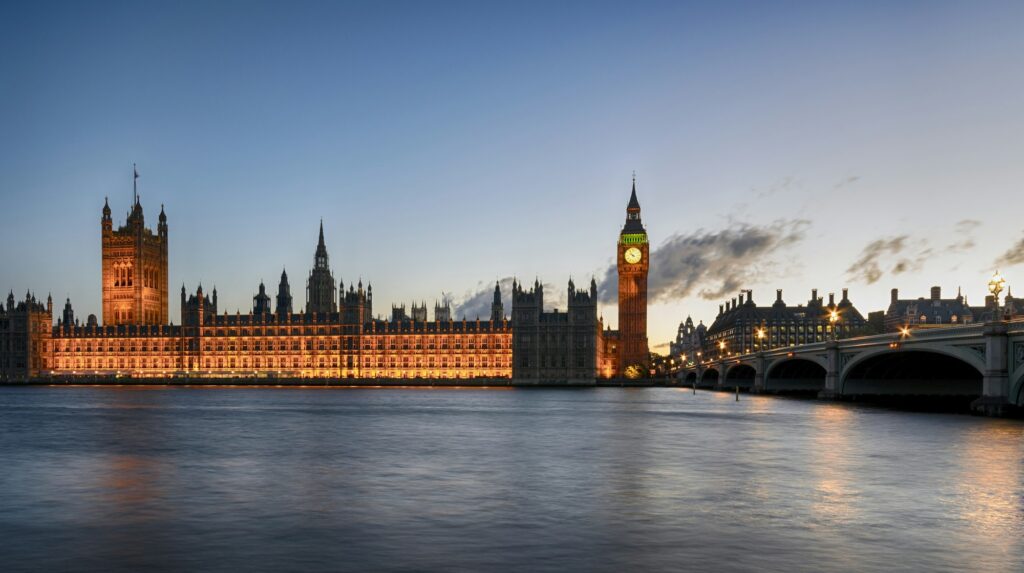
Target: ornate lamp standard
column 995, row 286
column 760, row 339
column 833, row 318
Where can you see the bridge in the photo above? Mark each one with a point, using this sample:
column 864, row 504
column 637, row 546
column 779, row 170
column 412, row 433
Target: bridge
column 984, row 362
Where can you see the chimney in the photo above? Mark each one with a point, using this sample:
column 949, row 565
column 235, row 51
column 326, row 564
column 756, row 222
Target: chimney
column 721, row 310
column 741, row 298
column 814, row 294
column 750, row 295
column 846, row 294
column 831, row 299
column 936, row 293
column 778, row 295
column 895, row 295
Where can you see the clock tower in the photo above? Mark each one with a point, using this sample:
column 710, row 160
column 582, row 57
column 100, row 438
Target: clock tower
column 632, row 262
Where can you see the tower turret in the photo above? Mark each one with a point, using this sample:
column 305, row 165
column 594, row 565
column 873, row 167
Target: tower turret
column 106, row 223
column 321, row 292
column 284, row 295
column 497, row 310
column 69, row 314
column 161, row 227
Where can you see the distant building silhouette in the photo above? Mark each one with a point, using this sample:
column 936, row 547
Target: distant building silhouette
column 739, row 321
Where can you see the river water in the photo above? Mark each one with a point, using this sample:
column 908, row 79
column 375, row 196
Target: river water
column 264, row 479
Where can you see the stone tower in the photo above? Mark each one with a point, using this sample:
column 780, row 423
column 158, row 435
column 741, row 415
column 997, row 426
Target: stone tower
column 321, row 292
column 497, row 311
column 135, row 289
column 261, row 302
column 633, row 263
column 284, row 295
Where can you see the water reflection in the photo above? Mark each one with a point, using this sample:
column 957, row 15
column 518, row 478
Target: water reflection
column 836, row 492
column 988, row 489
column 602, row 480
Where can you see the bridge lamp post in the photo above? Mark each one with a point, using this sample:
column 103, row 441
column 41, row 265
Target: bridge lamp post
column 760, row 339
column 833, row 318
column 995, row 286
column 721, row 348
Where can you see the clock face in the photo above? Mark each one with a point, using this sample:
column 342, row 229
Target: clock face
column 633, row 255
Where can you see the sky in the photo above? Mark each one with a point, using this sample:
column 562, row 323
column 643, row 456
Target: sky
column 449, row 145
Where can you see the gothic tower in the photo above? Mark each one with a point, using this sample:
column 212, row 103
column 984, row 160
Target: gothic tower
column 261, row 302
column 284, row 295
column 135, row 289
column 633, row 263
column 321, row 292
column 497, row 311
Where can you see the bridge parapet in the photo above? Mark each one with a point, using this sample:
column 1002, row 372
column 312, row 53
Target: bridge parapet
column 995, row 350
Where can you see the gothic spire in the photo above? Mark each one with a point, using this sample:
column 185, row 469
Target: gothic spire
column 633, row 224
column 633, row 202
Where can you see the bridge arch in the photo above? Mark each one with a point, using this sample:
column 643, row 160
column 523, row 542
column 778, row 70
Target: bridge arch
column 975, row 360
column 1017, row 390
column 795, row 375
column 709, row 377
column 690, row 378
column 912, row 372
column 741, row 375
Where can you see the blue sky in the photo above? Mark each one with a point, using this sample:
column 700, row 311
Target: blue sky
column 447, row 145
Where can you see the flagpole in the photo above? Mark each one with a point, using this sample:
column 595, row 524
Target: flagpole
column 135, row 185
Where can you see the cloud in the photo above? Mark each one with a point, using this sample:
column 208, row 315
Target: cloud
column 903, row 254
column 846, row 181
column 711, row 264
column 785, row 184
column 1013, row 256
column 476, row 302
column 899, row 254
column 965, row 230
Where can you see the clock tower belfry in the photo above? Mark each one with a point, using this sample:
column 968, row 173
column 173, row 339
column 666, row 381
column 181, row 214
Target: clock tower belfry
column 633, row 263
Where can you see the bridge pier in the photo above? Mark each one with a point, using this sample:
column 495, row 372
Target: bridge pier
column 832, row 389
column 995, row 391
column 759, row 375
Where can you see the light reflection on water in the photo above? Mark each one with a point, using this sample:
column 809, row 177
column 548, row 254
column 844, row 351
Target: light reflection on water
column 603, row 479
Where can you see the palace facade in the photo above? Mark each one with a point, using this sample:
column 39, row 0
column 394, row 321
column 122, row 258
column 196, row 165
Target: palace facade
column 334, row 336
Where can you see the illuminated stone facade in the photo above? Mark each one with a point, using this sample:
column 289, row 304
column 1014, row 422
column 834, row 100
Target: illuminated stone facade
column 211, row 345
column 135, row 286
column 334, row 336
column 632, row 260
column 340, row 340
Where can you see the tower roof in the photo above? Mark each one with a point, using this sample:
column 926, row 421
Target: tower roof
column 321, row 249
column 633, row 223
column 633, row 202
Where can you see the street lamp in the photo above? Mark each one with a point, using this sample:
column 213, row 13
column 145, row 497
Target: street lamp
column 995, row 286
column 760, row 338
column 721, row 348
column 833, row 318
